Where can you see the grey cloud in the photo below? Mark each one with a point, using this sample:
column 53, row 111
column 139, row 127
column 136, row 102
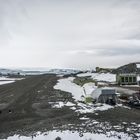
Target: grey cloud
column 135, row 35
column 119, row 51
column 70, row 30
column 110, row 51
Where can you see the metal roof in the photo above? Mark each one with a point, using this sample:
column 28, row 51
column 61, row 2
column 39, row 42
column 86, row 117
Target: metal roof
column 102, row 91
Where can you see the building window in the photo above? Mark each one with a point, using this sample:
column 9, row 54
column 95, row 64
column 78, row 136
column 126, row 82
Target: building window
column 122, row 79
column 134, row 80
column 130, row 80
column 126, row 79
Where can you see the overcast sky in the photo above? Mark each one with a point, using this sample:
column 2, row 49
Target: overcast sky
column 69, row 33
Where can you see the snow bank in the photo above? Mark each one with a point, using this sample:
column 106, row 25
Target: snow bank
column 68, row 86
column 108, row 77
column 68, row 135
column 9, row 79
column 76, row 90
column 5, row 80
column 105, row 77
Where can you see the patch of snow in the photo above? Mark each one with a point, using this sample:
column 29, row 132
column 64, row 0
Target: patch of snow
column 124, row 123
column 58, row 105
column 133, row 123
column 69, row 104
column 6, row 82
column 120, row 105
column 90, row 108
column 117, row 127
column 61, row 104
column 84, row 118
column 107, row 77
column 69, row 135
column 84, row 108
column 104, row 107
column 76, row 90
column 96, row 114
column 73, row 108
column 89, row 87
column 95, row 122
column 39, row 91
column 68, row 86
column 9, row 79
column 139, row 125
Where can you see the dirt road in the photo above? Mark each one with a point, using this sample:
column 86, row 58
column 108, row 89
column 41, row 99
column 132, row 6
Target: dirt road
column 24, row 105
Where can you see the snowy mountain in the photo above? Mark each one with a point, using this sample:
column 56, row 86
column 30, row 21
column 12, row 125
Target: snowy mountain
column 4, row 72
column 37, row 71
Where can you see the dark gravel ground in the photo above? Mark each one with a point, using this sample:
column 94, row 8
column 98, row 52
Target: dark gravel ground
column 25, row 108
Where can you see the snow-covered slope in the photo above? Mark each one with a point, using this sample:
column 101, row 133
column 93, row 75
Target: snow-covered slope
column 73, row 135
column 107, row 77
column 68, row 86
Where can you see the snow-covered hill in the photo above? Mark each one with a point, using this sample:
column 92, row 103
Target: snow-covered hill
column 36, row 71
column 105, row 77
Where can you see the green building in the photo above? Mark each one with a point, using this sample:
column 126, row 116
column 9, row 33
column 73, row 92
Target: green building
column 126, row 79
